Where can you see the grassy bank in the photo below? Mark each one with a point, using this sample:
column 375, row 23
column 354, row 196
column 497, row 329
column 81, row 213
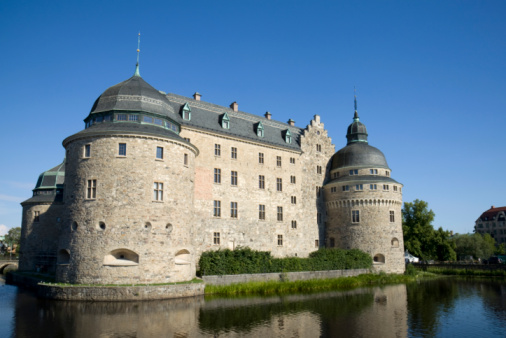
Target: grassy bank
column 465, row 272
column 310, row 286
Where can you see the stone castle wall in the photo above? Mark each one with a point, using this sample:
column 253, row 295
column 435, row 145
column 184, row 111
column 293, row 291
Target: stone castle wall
column 124, row 235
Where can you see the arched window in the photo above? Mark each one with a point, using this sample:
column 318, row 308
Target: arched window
column 121, row 257
column 395, row 243
column 379, row 259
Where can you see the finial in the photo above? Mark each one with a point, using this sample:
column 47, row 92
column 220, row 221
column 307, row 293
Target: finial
column 137, row 73
column 355, row 116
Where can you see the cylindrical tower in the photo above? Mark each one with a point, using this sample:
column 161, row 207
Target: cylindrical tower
column 128, row 192
column 364, row 203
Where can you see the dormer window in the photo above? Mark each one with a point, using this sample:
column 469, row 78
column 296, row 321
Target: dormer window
column 288, row 136
column 260, row 129
column 225, row 121
column 186, row 112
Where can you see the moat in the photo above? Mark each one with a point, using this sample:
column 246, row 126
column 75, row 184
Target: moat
column 441, row 307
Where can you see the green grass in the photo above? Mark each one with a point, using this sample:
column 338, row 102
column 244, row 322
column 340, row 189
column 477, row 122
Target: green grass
column 466, row 272
column 310, row 286
column 193, row 281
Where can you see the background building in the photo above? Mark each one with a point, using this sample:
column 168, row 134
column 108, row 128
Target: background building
column 493, row 222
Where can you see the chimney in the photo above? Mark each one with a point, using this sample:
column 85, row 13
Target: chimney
column 234, row 106
column 267, row 115
column 291, row 122
column 493, row 207
column 197, row 96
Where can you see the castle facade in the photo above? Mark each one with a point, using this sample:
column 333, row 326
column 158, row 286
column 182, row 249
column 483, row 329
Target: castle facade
column 155, row 179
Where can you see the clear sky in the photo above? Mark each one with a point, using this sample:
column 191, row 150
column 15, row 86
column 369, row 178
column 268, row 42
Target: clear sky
column 430, row 78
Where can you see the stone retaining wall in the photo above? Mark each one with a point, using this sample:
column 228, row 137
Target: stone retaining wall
column 285, row 276
column 120, row 293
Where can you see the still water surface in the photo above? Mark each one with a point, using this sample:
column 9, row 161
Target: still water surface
column 447, row 307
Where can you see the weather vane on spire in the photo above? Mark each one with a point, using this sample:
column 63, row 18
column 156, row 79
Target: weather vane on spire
column 137, row 73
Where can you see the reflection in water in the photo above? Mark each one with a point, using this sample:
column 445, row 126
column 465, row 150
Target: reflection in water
column 442, row 307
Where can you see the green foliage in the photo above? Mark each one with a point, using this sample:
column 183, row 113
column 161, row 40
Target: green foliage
column 420, row 238
column 500, row 250
column 467, row 272
column 476, row 245
column 410, row 270
column 247, row 261
column 13, row 236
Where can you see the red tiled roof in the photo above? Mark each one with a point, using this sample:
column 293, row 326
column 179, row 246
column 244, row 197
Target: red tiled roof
column 492, row 212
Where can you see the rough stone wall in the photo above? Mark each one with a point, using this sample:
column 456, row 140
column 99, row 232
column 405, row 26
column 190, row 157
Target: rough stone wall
column 247, row 229
column 374, row 233
column 141, row 240
column 39, row 240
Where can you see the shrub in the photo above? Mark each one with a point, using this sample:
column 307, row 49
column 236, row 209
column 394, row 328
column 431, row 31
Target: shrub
column 247, row 261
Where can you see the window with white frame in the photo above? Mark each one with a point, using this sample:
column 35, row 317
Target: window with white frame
column 233, row 153
column 217, row 149
column 122, row 149
column 353, row 172
column 233, row 209
column 91, row 189
column 158, row 191
column 216, row 238
column 233, row 178
column 216, row 208
column 159, row 153
column 217, row 175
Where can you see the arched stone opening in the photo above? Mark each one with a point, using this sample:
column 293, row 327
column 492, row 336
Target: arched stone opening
column 182, row 257
column 121, row 257
column 395, row 243
column 63, row 256
column 101, row 226
column 74, row 226
column 379, row 259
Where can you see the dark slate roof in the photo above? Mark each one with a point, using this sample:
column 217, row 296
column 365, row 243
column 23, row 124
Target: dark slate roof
column 357, row 132
column 133, row 94
column 364, row 179
column 359, row 155
column 491, row 213
column 47, row 198
column 128, row 127
column 207, row 116
column 52, row 178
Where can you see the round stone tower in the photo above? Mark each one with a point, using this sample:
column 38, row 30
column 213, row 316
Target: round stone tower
column 364, row 203
column 128, row 192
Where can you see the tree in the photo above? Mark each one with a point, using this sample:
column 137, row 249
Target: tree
column 13, row 236
column 420, row 238
column 476, row 245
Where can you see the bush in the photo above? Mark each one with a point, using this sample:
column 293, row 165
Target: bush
column 247, row 261
column 410, row 270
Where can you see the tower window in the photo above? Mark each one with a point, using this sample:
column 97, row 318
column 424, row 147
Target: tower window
column 292, row 160
column 387, row 173
column 294, row 224
column 385, row 187
column 233, row 209
column 121, row 117
column 373, row 171
column 294, row 199
column 319, row 148
column 185, row 160
column 316, row 243
column 359, row 187
column 373, row 187
column 91, row 189
column 319, row 169
column 87, row 150
column 279, row 184
column 346, row 188
column 36, row 216
column 392, row 216
column 261, row 211
column 158, row 191
column 280, row 214
column 159, row 153
column 122, row 149
column 217, row 175
column 261, row 182
column 217, row 209
column 292, row 179
column 233, row 178
column 355, row 216
column 353, row 172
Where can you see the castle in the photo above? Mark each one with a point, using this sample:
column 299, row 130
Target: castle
column 155, row 179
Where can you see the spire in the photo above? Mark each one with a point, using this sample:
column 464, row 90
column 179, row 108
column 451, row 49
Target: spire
column 137, row 73
column 357, row 131
column 355, row 116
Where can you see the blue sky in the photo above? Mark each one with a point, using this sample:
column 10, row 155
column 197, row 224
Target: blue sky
column 430, row 78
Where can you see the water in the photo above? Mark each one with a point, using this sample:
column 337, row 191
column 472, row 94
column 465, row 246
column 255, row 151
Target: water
column 441, row 308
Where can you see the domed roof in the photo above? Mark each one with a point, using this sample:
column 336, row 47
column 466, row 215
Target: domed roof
column 52, row 178
column 359, row 155
column 357, row 132
column 134, row 94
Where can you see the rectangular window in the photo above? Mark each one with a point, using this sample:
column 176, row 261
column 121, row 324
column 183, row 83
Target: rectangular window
column 216, row 238
column 217, row 150
column 278, row 161
column 233, row 153
column 233, row 209
column 385, row 187
column 187, row 139
column 387, row 173
column 217, row 209
column 353, row 172
column 158, row 191
column 316, row 243
column 319, row 169
column 392, row 216
column 233, row 178
column 346, row 188
column 359, row 187
column 292, row 179
column 319, row 148
column 294, row 200
column 36, row 216
column 280, row 240
column 336, row 175
column 374, row 171
column 279, row 184
column 373, row 187
column 217, row 175
column 148, row 119
column 355, row 216
column 332, row 242
column 121, row 117
column 91, row 191
column 280, row 214
column 133, row 117
column 261, row 158
column 159, row 153
column 87, row 150
column 294, row 224
column 261, row 182
column 333, row 189
column 261, row 211
column 292, row 160
column 185, row 161
column 395, row 188
column 122, row 149
column 159, row 122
